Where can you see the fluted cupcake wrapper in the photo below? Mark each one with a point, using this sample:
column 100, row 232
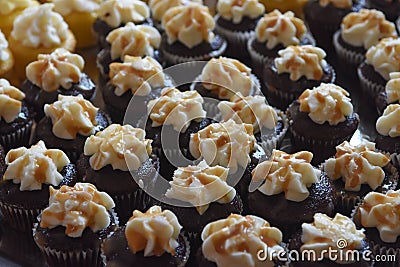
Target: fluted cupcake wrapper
column 234, row 37
column 21, row 219
column 368, row 86
column 18, row 138
column 86, row 257
column 346, row 54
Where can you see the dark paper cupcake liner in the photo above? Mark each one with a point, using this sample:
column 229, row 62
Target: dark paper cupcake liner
column 87, row 257
column 233, row 37
column 20, row 219
column 346, row 54
column 369, row 87
column 18, row 138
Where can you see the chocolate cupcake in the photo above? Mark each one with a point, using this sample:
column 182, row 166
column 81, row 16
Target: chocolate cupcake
column 68, row 122
column 320, row 119
column 113, row 14
column 276, row 31
column 391, row 8
column 231, row 145
column 73, row 226
column 16, row 117
column 269, row 125
column 132, row 40
column 291, row 191
column 159, row 7
column 58, row 73
column 358, row 32
column 152, row 238
column 296, row 69
column 119, row 161
column 198, row 195
column 188, row 35
column 378, row 214
column 346, row 244
column 388, row 138
column 362, row 169
column 24, row 189
column 171, row 119
column 324, row 18
column 133, row 83
column 237, row 241
column 391, row 95
column 236, row 21
column 381, row 60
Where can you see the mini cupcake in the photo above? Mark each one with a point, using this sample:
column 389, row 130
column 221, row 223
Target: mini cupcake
column 24, row 189
column 269, row 124
column 391, row 95
column 80, row 16
column 10, row 9
column 188, row 35
column 199, row 195
column 237, row 241
column 38, row 30
column 231, row 145
column 325, row 16
column 68, row 122
column 236, row 21
column 346, row 244
column 291, row 191
column 391, row 8
column 73, row 226
column 276, row 31
column 362, row 169
column 132, row 40
column 358, row 32
column 119, row 161
column 172, row 118
column 6, row 58
column 16, row 117
column 113, row 14
column 51, row 75
column 378, row 214
column 133, row 83
column 381, row 60
column 321, row 119
column 296, row 69
column 152, row 238
column 388, row 138
column 159, row 7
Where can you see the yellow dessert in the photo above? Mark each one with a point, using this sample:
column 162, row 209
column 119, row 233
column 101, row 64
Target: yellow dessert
column 80, row 16
column 285, row 5
column 6, row 58
column 38, row 30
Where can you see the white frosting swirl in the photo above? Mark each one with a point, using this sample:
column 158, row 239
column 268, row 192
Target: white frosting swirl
column 236, row 241
column 117, row 12
column 366, row 27
column 123, row 147
column 154, row 232
column 276, row 28
column 392, row 88
column 72, row 115
column 235, row 10
column 389, row 123
column 77, row 208
column 4, row 51
column 159, row 7
column 346, row 4
column 298, row 61
column 58, row 69
column 137, row 74
column 133, row 40
column 326, row 233
column 35, row 166
column 227, row 77
column 176, row 108
column 10, row 101
column 250, row 109
column 9, row 6
column 40, row 26
column 191, row 24
column 66, row 7
column 228, row 144
column 326, row 103
column 357, row 165
column 382, row 211
column 384, row 56
column 291, row 174
column 201, row 185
